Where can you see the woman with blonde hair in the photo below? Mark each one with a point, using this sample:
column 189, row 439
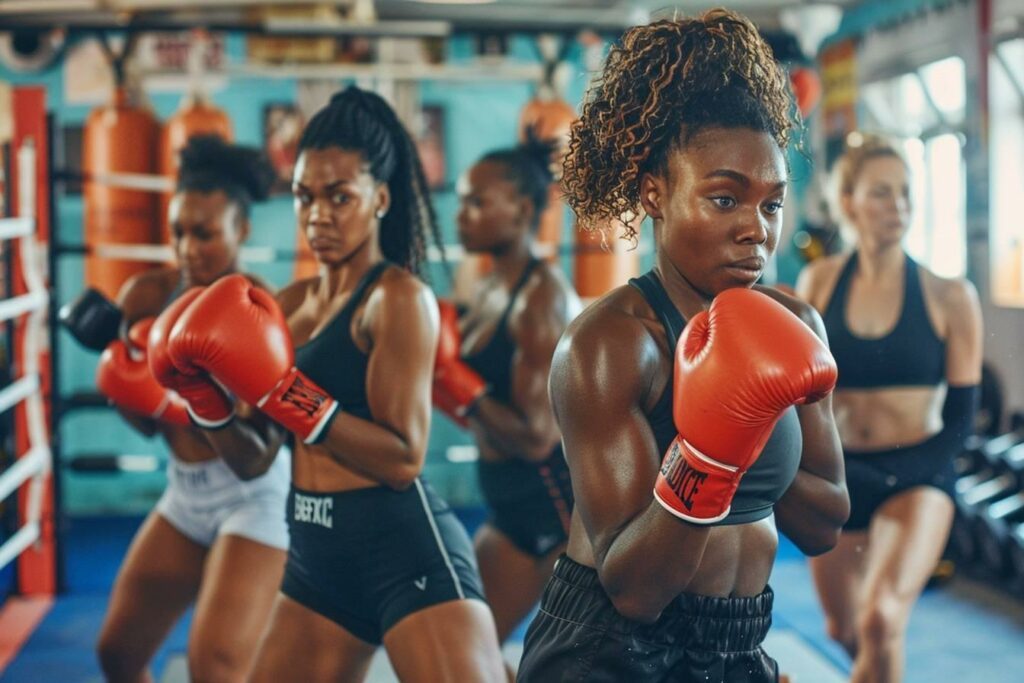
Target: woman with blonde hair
column 908, row 345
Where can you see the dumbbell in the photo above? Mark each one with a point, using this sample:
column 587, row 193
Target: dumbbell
column 980, row 451
column 980, row 481
column 1015, row 551
column 994, row 522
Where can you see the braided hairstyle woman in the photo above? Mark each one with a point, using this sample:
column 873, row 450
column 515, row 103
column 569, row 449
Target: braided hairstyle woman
column 362, row 121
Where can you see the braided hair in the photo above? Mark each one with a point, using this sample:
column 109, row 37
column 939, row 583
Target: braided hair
column 528, row 167
column 661, row 85
column 209, row 164
column 361, row 121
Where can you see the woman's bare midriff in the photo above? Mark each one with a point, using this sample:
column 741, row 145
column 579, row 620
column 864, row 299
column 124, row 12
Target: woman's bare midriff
column 314, row 469
column 881, row 419
column 737, row 561
column 187, row 443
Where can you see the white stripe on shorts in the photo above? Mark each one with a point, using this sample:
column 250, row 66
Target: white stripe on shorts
column 440, row 541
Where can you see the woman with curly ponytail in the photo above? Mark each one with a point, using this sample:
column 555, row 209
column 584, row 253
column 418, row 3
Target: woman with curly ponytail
column 693, row 403
column 909, row 346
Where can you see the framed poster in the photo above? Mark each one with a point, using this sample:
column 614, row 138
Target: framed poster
column 282, row 128
column 430, row 143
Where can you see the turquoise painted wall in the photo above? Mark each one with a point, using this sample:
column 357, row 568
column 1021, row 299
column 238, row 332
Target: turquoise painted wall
column 868, row 14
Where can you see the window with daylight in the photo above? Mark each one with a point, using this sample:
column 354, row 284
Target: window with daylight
column 925, row 108
column 1006, row 189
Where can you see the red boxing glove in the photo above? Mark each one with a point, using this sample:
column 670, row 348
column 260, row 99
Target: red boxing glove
column 457, row 387
column 739, row 366
column 237, row 332
column 207, row 404
column 123, row 376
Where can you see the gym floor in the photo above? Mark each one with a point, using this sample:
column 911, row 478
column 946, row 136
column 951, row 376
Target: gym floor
column 962, row 631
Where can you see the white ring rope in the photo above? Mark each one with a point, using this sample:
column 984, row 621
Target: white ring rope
column 34, row 465
column 147, row 182
column 164, row 253
column 16, row 227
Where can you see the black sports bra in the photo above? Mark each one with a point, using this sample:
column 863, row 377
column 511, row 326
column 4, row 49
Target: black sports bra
column 911, row 355
column 332, row 359
column 494, row 361
column 770, row 476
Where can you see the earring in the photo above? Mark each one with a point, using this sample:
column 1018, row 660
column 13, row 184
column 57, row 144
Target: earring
column 381, row 213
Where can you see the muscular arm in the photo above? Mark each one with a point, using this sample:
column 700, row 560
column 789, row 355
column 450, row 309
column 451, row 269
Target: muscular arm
column 816, row 505
column 964, row 339
column 248, row 444
column 526, row 428
column 401, row 315
column 600, row 378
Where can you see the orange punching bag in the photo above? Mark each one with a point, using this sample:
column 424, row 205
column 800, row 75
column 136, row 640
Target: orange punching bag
column 603, row 262
column 194, row 117
column 119, row 137
column 549, row 118
column 806, row 87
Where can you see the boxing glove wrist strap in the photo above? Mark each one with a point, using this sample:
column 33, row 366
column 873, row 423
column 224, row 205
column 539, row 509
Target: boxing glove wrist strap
column 172, row 410
column 695, row 487
column 206, row 422
column 301, row 406
column 208, row 404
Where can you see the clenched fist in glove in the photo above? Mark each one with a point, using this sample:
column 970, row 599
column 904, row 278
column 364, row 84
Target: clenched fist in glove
column 739, row 366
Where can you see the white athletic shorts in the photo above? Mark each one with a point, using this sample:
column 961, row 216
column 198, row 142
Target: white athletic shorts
column 205, row 500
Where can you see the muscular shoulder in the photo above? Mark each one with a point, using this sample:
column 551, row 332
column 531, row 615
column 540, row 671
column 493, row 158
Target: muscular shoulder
column 546, row 296
column 396, row 283
column 957, row 298
column 803, row 310
column 955, row 295
column 145, row 294
column 400, row 294
column 818, row 279
column 609, row 353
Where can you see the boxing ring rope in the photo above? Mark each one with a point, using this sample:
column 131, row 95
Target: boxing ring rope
column 164, row 253
column 33, row 466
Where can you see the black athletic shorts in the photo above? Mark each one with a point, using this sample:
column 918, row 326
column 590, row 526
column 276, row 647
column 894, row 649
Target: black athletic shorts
column 369, row 557
column 875, row 476
column 578, row 636
column 530, row 503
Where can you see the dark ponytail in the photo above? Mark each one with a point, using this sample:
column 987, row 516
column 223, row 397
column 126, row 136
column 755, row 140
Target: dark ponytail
column 208, row 164
column 530, row 166
column 363, row 122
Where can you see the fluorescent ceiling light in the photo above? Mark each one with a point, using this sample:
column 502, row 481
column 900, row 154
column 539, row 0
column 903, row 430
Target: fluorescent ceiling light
column 456, row 2
column 411, row 29
column 28, row 6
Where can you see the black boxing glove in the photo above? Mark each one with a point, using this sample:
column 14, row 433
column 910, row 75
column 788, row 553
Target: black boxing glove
column 92, row 319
